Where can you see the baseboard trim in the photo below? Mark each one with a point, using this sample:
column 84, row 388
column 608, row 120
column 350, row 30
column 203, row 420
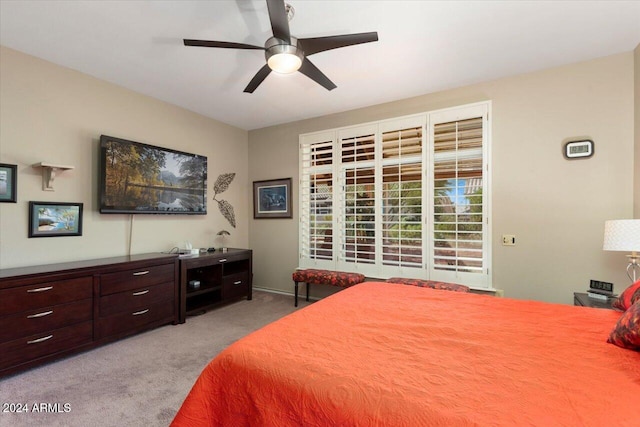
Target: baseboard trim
column 493, row 292
column 279, row 292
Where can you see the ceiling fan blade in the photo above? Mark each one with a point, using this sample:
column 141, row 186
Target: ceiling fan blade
column 320, row 44
column 279, row 20
column 311, row 71
column 257, row 79
column 228, row 45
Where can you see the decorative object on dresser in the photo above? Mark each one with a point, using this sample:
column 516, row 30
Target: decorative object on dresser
column 624, row 235
column 8, row 183
column 51, row 311
column 221, row 277
column 223, row 234
column 55, row 219
column 272, row 198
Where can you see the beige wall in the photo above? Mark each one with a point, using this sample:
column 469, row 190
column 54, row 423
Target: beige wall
column 636, row 186
column 53, row 114
column 555, row 207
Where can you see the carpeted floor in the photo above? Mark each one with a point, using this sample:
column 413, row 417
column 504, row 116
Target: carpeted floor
column 138, row 381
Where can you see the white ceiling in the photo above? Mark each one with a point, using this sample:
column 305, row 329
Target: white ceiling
column 424, row 46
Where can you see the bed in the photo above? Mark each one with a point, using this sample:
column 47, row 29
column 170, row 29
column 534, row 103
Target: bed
column 382, row 354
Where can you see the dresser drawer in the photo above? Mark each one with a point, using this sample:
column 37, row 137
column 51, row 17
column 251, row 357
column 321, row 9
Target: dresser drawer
column 235, row 285
column 46, row 294
column 45, row 319
column 135, row 299
column 133, row 320
column 34, row 346
column 112, row 283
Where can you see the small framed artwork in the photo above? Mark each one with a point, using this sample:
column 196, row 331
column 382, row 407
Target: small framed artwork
column 272, row 198
column 55, row 219
column 8, row 183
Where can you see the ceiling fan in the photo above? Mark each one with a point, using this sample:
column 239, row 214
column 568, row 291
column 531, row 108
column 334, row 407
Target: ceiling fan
column 287, row 54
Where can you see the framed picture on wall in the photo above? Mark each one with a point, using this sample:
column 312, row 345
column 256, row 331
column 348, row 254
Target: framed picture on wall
column 272, row 198
column 8, row 183
column 55, row 219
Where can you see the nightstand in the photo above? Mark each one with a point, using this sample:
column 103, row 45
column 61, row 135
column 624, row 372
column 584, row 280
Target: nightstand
column 581, row 298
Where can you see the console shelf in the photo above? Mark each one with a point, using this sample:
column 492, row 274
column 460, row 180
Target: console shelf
column 205, row 289
column 223, row 277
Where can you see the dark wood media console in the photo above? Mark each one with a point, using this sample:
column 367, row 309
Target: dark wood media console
column 222, row 277
column 50, row 311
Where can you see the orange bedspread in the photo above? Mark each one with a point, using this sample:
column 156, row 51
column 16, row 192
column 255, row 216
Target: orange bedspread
column 381, row 354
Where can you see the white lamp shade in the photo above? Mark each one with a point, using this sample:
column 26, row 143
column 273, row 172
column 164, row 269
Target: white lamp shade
column 622, row 235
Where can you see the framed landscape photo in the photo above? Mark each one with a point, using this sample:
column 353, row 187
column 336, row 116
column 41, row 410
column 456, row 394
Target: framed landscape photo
column 8, row 183
column 272, row 198
column 55, row 219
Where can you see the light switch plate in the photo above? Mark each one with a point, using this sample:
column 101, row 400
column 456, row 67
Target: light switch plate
column 508, row 240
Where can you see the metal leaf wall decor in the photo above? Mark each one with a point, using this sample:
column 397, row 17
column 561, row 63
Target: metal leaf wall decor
column 221, row 185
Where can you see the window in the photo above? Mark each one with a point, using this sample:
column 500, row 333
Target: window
column 401, row 197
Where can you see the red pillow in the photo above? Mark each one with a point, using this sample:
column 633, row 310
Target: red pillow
column 624, row 300
column 626, row 333
column 635, row 297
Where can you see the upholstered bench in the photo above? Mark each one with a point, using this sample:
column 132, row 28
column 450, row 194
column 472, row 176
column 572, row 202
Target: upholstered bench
column 429, row 284
column 325, row 277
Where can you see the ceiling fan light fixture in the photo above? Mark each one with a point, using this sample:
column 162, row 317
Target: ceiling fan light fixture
column 284, row 59
column 283, row 53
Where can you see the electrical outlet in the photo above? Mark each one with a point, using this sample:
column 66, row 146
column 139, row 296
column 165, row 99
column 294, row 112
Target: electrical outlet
column 508, row 240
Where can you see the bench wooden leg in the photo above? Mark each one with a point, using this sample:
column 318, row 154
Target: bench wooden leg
column 308, row 285
column 296, row 292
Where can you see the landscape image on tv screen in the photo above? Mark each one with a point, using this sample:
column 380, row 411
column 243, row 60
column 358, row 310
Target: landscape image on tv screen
column 141, row 178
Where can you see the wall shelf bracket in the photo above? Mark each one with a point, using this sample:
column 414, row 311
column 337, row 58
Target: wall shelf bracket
column 49, row 172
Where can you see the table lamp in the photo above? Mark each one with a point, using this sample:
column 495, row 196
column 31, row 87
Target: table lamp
column 624, row 235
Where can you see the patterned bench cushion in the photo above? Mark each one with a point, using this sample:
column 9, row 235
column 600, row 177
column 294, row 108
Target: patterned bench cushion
column 430, row 284
column 327, row 277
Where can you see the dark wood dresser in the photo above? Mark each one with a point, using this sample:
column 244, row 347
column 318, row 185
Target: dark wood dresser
column 50, row 311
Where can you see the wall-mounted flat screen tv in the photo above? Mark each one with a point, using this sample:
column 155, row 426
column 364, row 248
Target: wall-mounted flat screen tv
column 140, row 178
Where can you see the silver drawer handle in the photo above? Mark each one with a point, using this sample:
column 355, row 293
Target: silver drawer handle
column 47, row 288
column 40, row 339
column 222, row 260
column 239, row 282
column 138, row 313
column 137, row 294
column 44, row 313
column 141, row 273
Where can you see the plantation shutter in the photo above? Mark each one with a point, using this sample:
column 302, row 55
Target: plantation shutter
column 316, row 201
column 402, row 198
column 459, row 233
column 357, row 163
